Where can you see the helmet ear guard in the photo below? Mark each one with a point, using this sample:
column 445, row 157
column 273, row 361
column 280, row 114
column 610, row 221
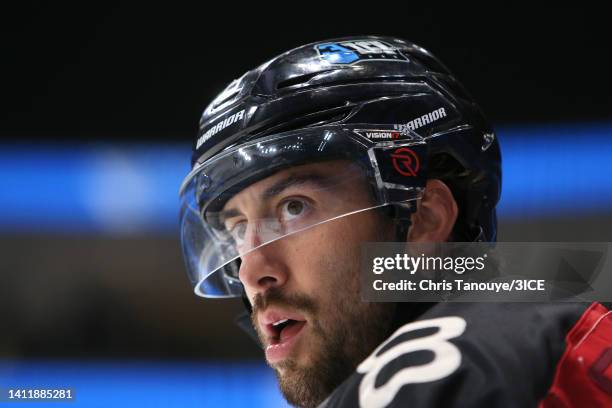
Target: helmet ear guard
column 466, row 186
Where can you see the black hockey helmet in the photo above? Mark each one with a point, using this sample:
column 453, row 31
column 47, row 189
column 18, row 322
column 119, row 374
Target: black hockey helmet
column 383, row 103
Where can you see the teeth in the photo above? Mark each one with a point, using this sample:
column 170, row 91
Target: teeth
column 280, row 322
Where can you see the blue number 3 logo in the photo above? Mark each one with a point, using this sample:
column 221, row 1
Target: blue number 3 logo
column 336, row 54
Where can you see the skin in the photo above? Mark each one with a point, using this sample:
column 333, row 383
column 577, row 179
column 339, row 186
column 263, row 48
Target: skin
column 315, row 272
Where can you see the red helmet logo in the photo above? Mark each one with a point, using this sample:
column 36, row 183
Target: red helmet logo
column 405, row 161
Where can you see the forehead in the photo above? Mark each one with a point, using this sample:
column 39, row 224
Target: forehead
column 341, row 176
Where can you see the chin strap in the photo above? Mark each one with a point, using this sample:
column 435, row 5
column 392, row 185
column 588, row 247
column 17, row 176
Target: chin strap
column 243, row 320
column 401, row 213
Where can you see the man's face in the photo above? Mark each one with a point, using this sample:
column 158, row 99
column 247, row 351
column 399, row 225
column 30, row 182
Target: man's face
column 310, row 277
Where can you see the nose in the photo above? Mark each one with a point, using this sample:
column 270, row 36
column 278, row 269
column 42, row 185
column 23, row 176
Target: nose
column 262, row 269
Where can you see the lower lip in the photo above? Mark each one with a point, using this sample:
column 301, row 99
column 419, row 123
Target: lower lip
column 280, row 351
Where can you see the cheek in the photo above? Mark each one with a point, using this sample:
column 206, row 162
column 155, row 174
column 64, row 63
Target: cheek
column 317, row 250
column 325, row 260
column 328, row 272
column 329, row 253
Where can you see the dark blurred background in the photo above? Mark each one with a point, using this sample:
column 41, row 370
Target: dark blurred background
column 100, row 103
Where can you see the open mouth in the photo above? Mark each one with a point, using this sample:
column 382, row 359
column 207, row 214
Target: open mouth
column 285, row 329
column 282, row 329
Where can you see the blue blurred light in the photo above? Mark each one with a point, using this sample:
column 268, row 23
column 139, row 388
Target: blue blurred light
column 95, row 187
column 547, row 171
column 147, row 384
column 556, row 170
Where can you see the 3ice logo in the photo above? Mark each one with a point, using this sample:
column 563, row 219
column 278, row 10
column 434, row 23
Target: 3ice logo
column 347, row 52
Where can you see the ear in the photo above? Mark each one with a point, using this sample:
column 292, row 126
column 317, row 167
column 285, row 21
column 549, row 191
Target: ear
column 435, row 215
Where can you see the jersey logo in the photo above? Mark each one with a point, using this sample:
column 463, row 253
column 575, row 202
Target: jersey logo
column 348, row 52
column 446, row 359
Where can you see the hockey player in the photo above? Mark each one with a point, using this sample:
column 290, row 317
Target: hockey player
column 370, row 139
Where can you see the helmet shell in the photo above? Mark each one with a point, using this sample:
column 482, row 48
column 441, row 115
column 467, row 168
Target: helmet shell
column 368, row 80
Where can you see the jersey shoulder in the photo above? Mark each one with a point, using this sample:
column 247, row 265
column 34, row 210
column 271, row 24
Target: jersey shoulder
column 465, row 354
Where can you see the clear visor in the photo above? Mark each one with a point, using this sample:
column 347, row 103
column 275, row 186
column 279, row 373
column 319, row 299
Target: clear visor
column 258, row 193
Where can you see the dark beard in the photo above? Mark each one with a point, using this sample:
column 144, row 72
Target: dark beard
column 360, row 327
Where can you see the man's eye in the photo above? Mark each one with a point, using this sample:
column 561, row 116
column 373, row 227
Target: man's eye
column 238, row 232
column 292, row 209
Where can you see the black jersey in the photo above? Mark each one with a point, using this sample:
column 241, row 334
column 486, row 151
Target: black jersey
column 489, row 355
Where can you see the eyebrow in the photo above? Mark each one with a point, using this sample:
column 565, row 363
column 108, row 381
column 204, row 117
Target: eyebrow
column 280, row 186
